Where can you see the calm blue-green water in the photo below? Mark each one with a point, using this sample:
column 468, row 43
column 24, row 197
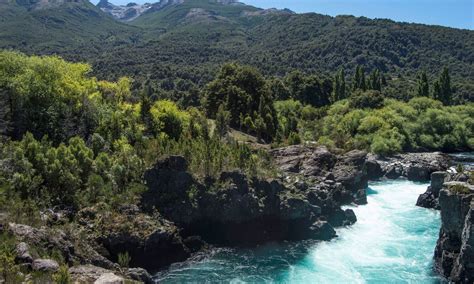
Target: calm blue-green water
column 392, row 242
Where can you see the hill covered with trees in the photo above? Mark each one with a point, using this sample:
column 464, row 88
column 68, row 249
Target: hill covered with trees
column 188, row 41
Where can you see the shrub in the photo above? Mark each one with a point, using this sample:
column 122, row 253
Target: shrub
column 367, row 99
column 459, row 189
column 168, row 118
column 62, row 276
column 294, row 139
column 124, row 259
column 8, row 270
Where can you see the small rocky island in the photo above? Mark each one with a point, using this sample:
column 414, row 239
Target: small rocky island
column 181, row 214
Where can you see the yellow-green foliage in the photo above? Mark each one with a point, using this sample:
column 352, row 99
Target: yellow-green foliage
column 62, row 276
column 49, row 96
column 168, row 118
column 459, row 188
column 422, row 123
column 8, row 269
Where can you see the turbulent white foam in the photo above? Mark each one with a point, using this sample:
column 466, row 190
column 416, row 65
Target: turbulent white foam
column 392, row 241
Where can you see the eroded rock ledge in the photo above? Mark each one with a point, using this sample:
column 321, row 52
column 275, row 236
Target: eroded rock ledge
column 413, row 166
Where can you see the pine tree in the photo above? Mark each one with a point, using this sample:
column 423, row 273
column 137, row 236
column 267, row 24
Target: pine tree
column 423, row 88
column 5, row 113
column 146, row 104
column 336, row 89
column 222, row 121
column 445, row 86
column 342, row 80
column 375, row 81
column 339, row 87
column 359, row 82
column 442, row 90
column 437, row 95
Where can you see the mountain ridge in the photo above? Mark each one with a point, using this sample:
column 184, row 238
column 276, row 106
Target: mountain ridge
column 191, row 39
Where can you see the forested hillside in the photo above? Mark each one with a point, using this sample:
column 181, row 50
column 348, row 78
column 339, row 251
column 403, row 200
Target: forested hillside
column 188, row 41
column 136, row 145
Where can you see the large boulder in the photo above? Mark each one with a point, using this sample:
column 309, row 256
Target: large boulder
column 23, row 254
column 151, row 242
column 374, row 170
column 140, row 274
column 87, row 273
column 110, row 278
column 45, row 265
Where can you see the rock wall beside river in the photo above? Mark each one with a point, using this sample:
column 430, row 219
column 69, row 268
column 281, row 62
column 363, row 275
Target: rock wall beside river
column 454, row 253
column 237, row 209
column 413, row 166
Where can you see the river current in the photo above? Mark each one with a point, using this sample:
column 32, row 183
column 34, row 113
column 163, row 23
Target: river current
column 392, row 242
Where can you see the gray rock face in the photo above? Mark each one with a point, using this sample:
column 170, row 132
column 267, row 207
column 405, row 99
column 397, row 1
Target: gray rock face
column 429, row 199
column 237, row 209
column 57, row 240
column 344, row 176
column 45, row 265
column 413, row 166
column 151, row 242
column 44, row 238
column 454, row 254
column 87, row 273
column 109, row 278
column 23, row 253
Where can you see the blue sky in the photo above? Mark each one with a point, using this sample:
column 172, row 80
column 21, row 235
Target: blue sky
column 451, row 13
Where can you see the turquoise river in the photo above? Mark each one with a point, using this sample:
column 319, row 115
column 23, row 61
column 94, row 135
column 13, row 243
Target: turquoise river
column 392, row 242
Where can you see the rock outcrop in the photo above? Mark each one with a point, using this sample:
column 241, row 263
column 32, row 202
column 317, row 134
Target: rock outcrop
column 151, row 241
column 343, row 177
column 429, row 199
column 236, row 209
column 233, row 210
column 413, row 166
column 454, row 253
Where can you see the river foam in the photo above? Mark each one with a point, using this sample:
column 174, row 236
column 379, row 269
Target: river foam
column 392, row 242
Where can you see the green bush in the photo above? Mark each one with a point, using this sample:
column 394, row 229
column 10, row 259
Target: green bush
column 124, row 259
column 294, row 139
column 169, row 119
column 62, row 276
column 366, row 99
column 459, row 189
column 9, row 271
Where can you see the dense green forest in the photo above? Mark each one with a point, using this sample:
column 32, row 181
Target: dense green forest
column 72, row 139
column 178, row 50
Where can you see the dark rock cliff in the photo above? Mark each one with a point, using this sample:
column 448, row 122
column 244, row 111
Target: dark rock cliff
column 237, row 209
column 454, row 253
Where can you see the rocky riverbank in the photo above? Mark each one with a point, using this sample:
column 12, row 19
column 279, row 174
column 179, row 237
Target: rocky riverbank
column 413, row 166
column 180, row 214
column 454, row 253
